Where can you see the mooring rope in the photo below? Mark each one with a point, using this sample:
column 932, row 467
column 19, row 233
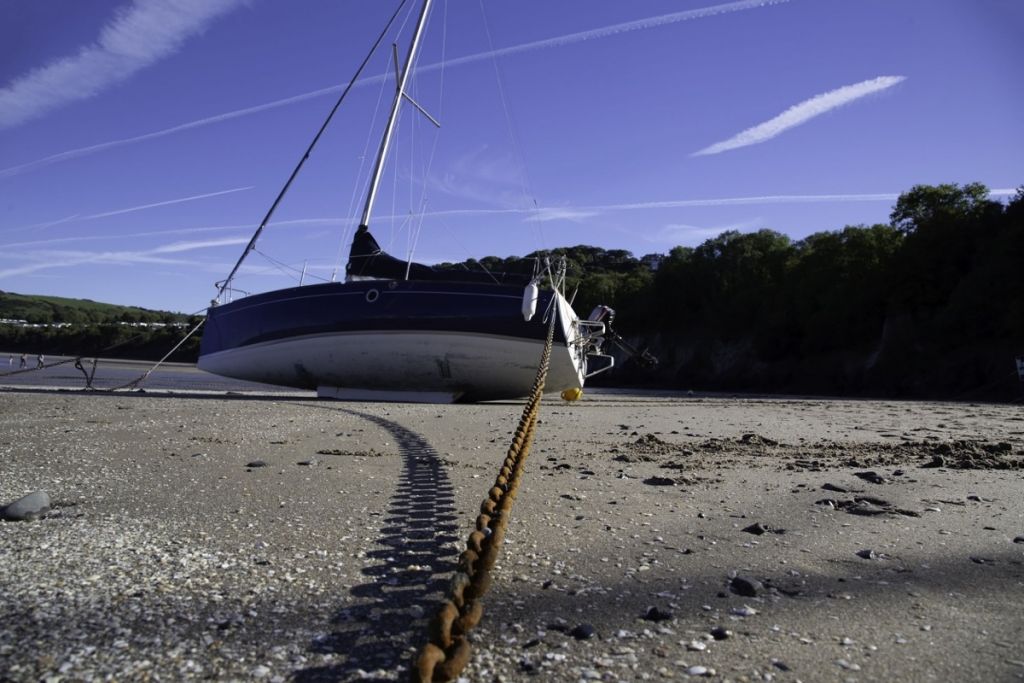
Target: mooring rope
column 448, row 651
column 89, row 376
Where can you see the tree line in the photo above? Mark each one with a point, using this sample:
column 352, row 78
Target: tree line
column 930, row 304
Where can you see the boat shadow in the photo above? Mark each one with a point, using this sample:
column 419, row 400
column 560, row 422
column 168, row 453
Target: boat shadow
column 406, row 576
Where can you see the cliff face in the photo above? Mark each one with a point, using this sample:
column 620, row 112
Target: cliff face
column 900, row 364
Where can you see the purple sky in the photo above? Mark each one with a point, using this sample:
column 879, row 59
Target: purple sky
column 141, row 141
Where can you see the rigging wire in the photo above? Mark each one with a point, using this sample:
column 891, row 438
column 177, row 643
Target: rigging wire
column 415, row 237
column 362, row 182
column 224, row 284
column 516, row 145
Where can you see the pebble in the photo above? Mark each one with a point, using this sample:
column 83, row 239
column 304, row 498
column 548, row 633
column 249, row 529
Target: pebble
column 746, row 587
column 256, row 463
column 719, row 633
column 867, row 554
column 656, row 614
column 1019, row 539
column 583, row 632
column 745, row 611
column 27, row 508
column 696, row 646
column 700, row 671
column 870, row 476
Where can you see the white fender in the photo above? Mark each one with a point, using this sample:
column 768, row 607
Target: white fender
column 530, row 296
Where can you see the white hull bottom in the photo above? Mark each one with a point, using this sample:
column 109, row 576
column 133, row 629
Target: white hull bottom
column 405, row 366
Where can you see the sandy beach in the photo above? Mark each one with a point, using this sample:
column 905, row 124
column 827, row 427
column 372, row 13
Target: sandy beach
column 247, row 536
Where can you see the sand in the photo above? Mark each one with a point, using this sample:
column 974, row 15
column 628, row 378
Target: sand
column 250, row 536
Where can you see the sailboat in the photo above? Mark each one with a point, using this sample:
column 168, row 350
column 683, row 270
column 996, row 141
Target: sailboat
column 404, row 331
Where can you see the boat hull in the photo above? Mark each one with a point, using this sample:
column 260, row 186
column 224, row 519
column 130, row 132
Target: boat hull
column 467, row 342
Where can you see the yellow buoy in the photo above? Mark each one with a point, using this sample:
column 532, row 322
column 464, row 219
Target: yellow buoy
column 572, row 394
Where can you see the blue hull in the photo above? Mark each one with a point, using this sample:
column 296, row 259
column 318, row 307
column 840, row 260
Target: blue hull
column 466, row 339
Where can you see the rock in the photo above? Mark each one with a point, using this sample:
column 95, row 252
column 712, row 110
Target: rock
column 256, row 463
column 719, row 633
column 698, row 671
column 745, row 611
column 1019, row 539
column 27, row 508
column 870, row 476
column 936, row 461
column 833, row 487
column 660, row 481
column 746, row 587
column 583, row 632
column 867, row 554
column 696, row 646
column 757, row 529
column 982, row 560
column 656, row 614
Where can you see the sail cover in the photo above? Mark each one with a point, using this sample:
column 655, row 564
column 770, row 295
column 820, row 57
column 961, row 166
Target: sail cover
column 367, row 261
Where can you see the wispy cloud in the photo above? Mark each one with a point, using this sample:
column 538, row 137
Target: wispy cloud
column 557, row 41
column 139, row 35
column 692, row 235
column 803, row 112
column 51, row 259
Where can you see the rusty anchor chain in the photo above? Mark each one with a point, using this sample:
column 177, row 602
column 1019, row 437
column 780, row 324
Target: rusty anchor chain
column 448, row 650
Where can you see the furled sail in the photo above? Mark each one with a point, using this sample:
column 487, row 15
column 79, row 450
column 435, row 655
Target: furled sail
column 367, row 261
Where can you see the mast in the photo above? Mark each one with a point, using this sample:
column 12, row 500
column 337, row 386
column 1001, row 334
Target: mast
column 371, row 194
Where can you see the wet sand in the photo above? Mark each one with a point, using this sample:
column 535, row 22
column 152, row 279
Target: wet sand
column 274, row 537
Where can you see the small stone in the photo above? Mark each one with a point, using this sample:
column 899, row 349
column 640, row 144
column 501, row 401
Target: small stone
column 27, row 508
column 849, row 666
column 757, row 529
column 698, row 671
column 719, row 633
column 260, row 672
column 583, row 632
column 746, row 587
column 833, row 487
column 660, row 481
column 745, row 611
column 696, row 646
column 655, row 614
column 871, row 476
column 936, row 461
column 867, row 554
column 780, row 665
column 1019, row 539
column 256, row 463
column 982, row 560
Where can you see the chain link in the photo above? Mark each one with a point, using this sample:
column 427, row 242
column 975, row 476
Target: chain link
column 448, row 651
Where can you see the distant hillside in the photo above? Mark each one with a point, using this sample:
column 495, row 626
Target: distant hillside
column 54, row 309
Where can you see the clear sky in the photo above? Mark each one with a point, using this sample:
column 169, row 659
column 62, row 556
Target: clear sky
column 141, row 141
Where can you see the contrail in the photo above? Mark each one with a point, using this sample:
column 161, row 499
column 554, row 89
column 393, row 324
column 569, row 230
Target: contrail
column 558, row 41
column 118, row 212
column 802, row 113
column 167, row 203
column 46, row 260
